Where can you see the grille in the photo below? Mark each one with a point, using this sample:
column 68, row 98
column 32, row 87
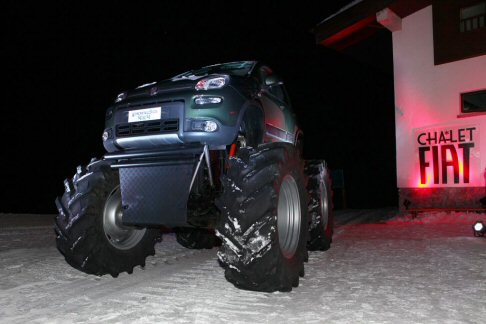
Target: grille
column 146, row 128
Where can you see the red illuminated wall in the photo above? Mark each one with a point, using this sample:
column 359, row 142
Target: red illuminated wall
column 441, row 154
column 437, row 147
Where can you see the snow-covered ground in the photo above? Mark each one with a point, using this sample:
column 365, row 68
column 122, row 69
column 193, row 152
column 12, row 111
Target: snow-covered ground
column 380, row 269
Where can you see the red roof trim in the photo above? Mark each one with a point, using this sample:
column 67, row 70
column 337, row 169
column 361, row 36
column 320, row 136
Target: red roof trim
column 348, row 31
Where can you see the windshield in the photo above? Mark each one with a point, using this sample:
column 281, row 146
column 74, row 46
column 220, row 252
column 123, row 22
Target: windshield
column 241, row 68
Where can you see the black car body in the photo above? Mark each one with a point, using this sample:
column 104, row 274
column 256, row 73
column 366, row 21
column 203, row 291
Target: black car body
column 206, row 106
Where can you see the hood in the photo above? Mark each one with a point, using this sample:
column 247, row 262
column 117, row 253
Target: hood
column 153, row 88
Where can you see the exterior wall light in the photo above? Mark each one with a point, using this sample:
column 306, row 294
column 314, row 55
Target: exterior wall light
column 479, row 229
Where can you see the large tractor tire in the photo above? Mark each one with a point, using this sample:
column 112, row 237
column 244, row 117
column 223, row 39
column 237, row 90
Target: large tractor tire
column 88, row 228
column 263, row 225
column 321, row 225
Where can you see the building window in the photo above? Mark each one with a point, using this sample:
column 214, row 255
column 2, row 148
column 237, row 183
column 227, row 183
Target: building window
column 473, row 102
column 472, row 17
column 459, row 29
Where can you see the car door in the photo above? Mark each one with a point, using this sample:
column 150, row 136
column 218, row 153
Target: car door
column 276, row 105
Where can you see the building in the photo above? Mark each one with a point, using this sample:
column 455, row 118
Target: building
column 439, row 66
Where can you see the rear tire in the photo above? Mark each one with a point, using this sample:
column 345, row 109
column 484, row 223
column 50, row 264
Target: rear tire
column 196, row 238
column 321, row 225
column 263, row 225
column 89, row 232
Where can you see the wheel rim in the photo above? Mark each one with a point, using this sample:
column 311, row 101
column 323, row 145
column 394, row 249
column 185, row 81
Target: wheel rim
column 120, row 236
column 289, row 216
column 324, row 206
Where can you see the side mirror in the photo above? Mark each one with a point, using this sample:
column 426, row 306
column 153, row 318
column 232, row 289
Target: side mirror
column 271, row 80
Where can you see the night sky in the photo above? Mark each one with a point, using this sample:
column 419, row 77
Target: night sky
column 64, row 63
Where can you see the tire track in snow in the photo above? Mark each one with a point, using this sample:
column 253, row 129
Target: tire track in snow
column 177, row 285
column 195, row 296
column 372, row 273
column 46, row 272
column 176, row 282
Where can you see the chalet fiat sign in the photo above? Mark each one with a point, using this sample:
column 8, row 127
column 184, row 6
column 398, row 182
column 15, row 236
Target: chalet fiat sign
column 447, row 156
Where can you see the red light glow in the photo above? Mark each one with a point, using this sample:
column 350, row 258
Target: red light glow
column 352, row 34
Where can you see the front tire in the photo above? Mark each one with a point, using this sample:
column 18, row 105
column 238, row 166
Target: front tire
column 263, row 224
column 88, row 228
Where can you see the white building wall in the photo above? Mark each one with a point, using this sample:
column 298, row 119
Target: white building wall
column 428, row 97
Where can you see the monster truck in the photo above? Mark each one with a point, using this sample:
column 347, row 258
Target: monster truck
column 214, row 154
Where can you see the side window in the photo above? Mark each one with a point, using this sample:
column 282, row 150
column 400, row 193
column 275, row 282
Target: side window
column 264, row 72
column 277, row 91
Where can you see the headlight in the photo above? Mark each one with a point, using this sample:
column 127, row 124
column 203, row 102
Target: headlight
column 212, row 83
column 107, row 134
column 121, row 96
column 207, row 126
column 206, row 100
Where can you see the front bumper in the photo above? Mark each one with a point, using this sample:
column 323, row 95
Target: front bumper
column 177, row 123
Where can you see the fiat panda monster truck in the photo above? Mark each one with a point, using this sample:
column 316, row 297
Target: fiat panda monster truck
column 215, row 155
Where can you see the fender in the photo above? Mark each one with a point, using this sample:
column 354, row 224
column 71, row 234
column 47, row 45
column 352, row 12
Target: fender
column 253, row 112
column 298, row 137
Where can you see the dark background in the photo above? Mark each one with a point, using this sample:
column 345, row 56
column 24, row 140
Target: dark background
column 65, row 62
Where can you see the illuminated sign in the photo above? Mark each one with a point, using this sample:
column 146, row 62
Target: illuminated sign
column 447, row 156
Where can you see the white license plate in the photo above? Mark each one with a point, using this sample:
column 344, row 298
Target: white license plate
column 144, row 114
